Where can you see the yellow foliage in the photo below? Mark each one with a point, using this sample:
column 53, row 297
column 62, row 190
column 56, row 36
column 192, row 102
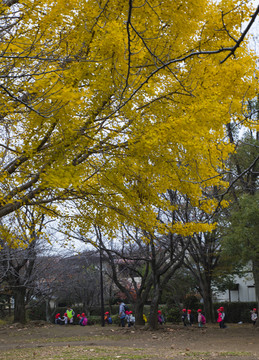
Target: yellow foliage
column 116, row 102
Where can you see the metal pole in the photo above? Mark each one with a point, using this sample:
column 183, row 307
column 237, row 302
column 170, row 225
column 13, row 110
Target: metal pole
column 101, row 286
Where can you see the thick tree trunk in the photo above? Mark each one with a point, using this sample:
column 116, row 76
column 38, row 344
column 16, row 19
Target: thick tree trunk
column 139, row 307
column 153, row 322
column 207, row 298
column 208, row 306
column 19, row 305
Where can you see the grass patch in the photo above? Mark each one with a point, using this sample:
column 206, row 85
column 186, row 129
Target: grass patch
column 74, row 353
column 207, row 354
column 235, row 353
column 197, row 353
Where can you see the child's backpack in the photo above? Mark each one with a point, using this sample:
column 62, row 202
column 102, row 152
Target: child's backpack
column 109, row 320
column 84, row 322
column 203, row 319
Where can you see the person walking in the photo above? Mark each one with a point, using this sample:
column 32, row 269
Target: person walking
column 122, row 314
column 254, row 316
column 201, row 318
column 223, row 317
column 219, row 319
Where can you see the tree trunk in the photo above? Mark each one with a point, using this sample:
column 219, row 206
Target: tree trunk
column 256, row 280
column 153, row 322
column 139, row 307
column 19, row 305
column 208, row 305
column 48, row 319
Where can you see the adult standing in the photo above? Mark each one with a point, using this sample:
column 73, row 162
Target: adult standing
column 70, row 315
column 122, row 313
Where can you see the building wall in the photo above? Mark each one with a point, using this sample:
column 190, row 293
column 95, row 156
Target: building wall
column 245, row 292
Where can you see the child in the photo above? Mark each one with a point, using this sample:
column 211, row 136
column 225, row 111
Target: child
column 78, row 318
column 219, row 319
column 160, row 317
column 189, row 317
column 223, row 317
column 127, row 317
column 58, row 319
column 131, row 319
column 107, row 318
column 65, row 318
column 254, row 316
column 106, row 314
column 83, row 321
column 184, row 316
column 201, row 318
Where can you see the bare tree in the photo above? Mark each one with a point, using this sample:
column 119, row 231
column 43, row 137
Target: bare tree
column 18, row 265
column 141, row 270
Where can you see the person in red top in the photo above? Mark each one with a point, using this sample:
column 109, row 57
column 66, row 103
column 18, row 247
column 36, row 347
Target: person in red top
column 58, row 319
column 223, row 317
column 219, row 319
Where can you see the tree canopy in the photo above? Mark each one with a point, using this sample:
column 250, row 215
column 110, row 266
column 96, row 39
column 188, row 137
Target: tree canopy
column 115, row 102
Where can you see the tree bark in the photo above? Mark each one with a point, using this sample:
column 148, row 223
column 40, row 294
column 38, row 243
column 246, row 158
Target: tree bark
column 208, row 306
column 19, row 305
column 153, row 322
column 139, row 307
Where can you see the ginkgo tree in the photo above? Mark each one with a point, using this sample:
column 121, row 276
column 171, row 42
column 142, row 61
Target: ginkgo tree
column 114, row 102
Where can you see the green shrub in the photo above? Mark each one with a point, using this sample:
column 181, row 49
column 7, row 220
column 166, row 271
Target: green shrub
column 236, row 311
column 172, row 314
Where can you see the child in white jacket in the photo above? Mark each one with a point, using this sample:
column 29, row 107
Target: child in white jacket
column 253, row 316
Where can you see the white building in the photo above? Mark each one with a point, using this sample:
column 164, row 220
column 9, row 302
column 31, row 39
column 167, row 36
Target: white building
column 243, row 291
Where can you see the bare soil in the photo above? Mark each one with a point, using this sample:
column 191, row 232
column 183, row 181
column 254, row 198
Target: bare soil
column 35, row 340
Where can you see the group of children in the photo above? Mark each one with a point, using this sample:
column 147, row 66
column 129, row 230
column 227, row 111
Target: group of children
column 82, row 319
column 68, row 318
column 188, row 318
column 129, row 318
column 60, row 320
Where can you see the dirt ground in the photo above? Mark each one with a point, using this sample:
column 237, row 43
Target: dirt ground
column 43, row 341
